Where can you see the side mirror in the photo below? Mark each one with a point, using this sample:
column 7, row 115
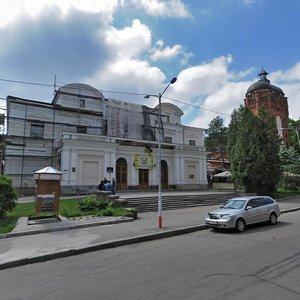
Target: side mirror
column 249, row 207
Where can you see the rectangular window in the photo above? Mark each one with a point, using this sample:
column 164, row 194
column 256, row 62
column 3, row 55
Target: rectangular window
column 166, row 119
column 2, row 118
column 81, row 129
column 82, row 103
column 192, row 142
column 168, row 139
column 37, row 130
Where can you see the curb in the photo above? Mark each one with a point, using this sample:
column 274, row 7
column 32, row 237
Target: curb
column 289, row 210
column 109, row 244
column 102, row 246
column 68, row 227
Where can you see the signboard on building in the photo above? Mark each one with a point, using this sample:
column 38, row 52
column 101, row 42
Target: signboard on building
column 45, row 203
column 109, row 169
column 143, row 161
column 130, row 120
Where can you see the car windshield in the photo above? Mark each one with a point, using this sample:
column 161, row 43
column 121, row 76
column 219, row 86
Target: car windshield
column 234, row 204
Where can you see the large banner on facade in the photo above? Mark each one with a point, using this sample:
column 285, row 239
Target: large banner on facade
column 130, row 120
column 143, row 161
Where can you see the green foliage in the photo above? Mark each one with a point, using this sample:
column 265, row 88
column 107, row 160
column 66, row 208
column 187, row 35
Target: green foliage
column 253, row 147
column 290, row 182
column 91, row 203
column 290, row 159
column 294, row 132
column 108, row 212
column 132, row 213
column 216, row 137
column 8, row 195
column 68, row 208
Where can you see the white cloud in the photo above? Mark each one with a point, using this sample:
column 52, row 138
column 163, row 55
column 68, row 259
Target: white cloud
column 162, row 8
column 292, row 92
column 221, row 103
column 291, row 74
column 289, row 81
column 250, row 2
column 203, row 79
column 130, row 41
column 160, row 53
column 13, row 9
column 242, row 74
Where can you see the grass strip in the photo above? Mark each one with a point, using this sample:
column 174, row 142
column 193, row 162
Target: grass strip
column 68, row 208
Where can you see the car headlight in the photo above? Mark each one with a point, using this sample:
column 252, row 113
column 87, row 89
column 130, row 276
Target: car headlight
column 225, row 217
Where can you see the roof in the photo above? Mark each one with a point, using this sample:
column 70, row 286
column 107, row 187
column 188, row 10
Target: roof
column 223, row 174
column 48, row 170
column 77, row 89
column 263, row 83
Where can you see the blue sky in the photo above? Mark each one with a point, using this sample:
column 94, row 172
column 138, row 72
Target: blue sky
column 124, row 47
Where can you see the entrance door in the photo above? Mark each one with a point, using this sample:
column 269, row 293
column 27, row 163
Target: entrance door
column 121, row 174
column 164, row 175
column 143, row 179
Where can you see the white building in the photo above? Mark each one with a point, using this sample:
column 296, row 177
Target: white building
column 88, row 138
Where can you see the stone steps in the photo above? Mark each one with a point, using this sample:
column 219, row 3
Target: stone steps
column 147, row 204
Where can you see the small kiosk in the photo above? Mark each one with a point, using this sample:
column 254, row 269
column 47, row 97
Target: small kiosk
column 48, row 191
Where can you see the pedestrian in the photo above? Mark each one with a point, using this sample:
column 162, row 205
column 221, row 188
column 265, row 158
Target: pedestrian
column 101, row 185
column 113, row 186
column 107, row 186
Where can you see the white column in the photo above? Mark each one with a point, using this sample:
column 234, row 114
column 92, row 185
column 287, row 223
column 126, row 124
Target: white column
column 203, row 171
column 73, row 165
column 65, row 166
column 107, row 163
column 176, row 174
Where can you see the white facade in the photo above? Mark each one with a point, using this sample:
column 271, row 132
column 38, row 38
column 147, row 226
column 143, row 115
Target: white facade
column 88, row 137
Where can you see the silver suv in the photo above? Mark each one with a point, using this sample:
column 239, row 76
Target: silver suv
column 241, row 211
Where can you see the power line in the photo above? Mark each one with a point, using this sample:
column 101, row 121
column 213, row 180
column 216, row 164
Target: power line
column 26, row 82
column 125, row 93
column 193, row 105
column 112, row 92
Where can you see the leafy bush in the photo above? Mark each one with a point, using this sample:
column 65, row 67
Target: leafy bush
column 108, row 212
column 132, row 213
column 92, row 203
column 290, row 182
column 8, row 195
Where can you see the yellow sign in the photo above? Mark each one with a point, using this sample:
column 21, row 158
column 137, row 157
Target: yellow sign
column 144, row 161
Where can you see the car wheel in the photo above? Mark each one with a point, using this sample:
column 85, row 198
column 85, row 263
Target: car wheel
column 273, row 219
column 240, row 225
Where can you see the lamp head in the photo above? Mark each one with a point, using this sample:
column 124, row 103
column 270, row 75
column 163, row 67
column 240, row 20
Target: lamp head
column 174, row 79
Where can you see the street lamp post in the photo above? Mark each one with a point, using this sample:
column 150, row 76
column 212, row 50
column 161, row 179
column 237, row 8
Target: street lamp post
column 159, row 150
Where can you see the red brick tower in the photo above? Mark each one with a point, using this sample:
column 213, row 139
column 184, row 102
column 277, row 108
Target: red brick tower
column 262, row 93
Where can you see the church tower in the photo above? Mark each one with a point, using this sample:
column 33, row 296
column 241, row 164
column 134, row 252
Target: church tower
column 263, row 93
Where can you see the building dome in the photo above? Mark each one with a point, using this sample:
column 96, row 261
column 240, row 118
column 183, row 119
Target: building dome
column 80, row 89
column 263, row 83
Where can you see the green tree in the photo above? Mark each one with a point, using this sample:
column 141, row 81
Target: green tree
column 253, row 147
column 216, row 137
column 290, row 159
column 294, row 132
column 8, row 195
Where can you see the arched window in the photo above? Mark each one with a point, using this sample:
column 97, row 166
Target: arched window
column 279, row 126
column 121, row 174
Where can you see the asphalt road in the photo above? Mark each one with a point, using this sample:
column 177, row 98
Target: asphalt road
column 261, row 263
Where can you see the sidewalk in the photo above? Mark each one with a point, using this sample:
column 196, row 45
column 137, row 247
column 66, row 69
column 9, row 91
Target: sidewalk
column 35, row 243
